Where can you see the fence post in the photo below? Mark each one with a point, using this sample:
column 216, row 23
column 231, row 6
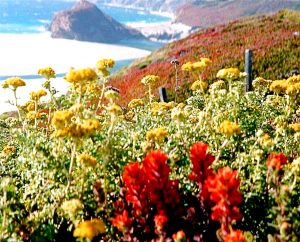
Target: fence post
column 163, row 94
column 248, row 70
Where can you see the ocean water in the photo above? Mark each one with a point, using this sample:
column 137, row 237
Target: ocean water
column 32, row 16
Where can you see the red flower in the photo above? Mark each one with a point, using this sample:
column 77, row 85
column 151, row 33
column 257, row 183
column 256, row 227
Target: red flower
column 275, row 161
column 235, row 236
column 201, row 161
column 122, row 221
column 179, row 236
column 160, row 221
column 223, row 190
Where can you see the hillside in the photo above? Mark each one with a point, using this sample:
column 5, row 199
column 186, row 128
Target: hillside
column 206, row 14
column 272, row 38
column 85, row 22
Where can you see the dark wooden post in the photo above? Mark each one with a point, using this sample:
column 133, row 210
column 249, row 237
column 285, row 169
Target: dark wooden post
column 248, row 70
column 163, row 94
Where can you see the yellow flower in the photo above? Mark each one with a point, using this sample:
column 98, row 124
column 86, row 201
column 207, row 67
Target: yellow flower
column 260, row 82
column 229, row 74
column 89, row 229
column 206, row 61
column 266, row 141
column 72, row 206
column 28, row 106
column 37, row 95
column 150, row 79
column 196, row 66
column 279, row 86
column 295, row 127
column 47, row 72
column 293, row 89
column 61, row 118
column 178, row 114
column 103, row 65
column 129, row 116
column 294, row 79
column 229, row 128
column 13, row 82
column 161, row 107
column 187, row 66
column 218, row 85
column 199, row 85
column 81, row 75
column 114, row 108
column 156, row 135
column 9, row 150
column 134, row 103
column 87, row 159
column 32, row 115
column 111, row 95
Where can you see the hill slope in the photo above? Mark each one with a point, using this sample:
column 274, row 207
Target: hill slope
column 206, row 14
column 272, row 38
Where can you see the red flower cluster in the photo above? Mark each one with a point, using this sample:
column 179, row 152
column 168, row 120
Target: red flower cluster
column 276, row 161
column 148, row 189
column 201, row 170
column 223, row 188
column 122, row 221
column 235, row 236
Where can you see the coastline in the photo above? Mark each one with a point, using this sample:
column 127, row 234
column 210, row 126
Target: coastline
column 25, row 54
column 160, row 13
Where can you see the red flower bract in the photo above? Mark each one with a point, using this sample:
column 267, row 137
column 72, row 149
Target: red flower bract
column 201, row 161
column 276, row 161
column 122, row 221
column 223, row 189
column 235, row 236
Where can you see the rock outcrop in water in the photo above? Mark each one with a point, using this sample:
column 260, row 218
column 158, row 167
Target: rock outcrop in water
column 85, row 22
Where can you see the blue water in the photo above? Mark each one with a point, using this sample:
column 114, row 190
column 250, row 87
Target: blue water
column 33, row 16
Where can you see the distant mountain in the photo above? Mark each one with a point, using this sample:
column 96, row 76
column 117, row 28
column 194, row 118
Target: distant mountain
column 204, row 14
column 158, row 5
column 85, row 22
column 274, row 39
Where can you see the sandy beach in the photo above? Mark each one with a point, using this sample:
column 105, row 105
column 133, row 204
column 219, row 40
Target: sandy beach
column 24, row 54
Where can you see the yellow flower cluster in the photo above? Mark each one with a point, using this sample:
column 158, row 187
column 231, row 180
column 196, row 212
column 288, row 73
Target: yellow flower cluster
column 37, row 95
column 89, row 229
column 259, row 83
column 81, row 75
column 156, row 135
column 61, row 118
column 290, row 86
column 103, row 65
column 47, row 72
column 32, row 115
column 150, row 79
column 129, row 116
column 134, row 103
column 78, row 130
column 196, row 66
column 178, row 114
column 161, row 107
column 229, row 128
column 88, row 160
column 266, row 141
column 230, row 74
column 13, row 82
column 199, row 86
column 218, row 85
column 114, row 108
column 72, row 206
column 29, row 106
column 111, row 95
column 7, row 150
column 295, row 127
